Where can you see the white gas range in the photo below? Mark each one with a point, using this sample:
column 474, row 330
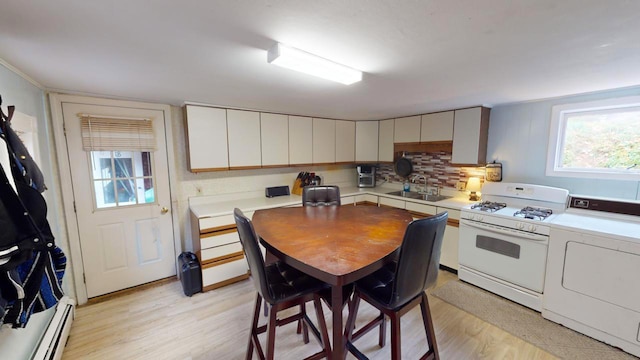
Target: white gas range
column 504, row 239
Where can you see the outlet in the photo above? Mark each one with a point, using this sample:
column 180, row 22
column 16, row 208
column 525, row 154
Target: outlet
column 461, row 185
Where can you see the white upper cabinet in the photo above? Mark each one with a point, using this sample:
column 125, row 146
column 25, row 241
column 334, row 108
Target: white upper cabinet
column 407, row 130
column 437, row 127
column 470, row 135
column 206, row 130
column 274, row 133
column 300, row 140
column 345, row 141
column 243, row 129
column 324, row 141
column 385, row 141
column 367, row 141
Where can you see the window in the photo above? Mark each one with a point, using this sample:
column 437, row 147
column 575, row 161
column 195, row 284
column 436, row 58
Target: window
column 120, row 152
column 122, row 178
column 599, row 139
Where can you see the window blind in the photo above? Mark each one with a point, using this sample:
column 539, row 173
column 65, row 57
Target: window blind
column 103, row 133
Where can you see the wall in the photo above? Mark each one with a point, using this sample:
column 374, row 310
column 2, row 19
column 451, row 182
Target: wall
column 30, row 100
column 518, row 137
column 235, row 181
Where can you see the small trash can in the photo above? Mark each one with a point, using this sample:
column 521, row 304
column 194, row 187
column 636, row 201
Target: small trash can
column 190, row 273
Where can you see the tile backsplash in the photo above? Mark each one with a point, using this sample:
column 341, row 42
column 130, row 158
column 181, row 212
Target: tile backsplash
column 436, row 167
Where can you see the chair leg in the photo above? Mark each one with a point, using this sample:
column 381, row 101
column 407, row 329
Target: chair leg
column 324, row 333
column 396, row 348
column 254, row 325
column 271, row 333
column 382, row 337
column 305, row 329
column 350, row 326
column 428, row 327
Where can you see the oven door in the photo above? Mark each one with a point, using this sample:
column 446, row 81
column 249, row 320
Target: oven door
column 514, row 256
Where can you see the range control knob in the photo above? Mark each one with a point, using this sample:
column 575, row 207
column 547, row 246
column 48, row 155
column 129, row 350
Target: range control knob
column 532, row 228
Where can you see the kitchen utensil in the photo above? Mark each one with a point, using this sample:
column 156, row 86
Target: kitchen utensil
column 403, row 166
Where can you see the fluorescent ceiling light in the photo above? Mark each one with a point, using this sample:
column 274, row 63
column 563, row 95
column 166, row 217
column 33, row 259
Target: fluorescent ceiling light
column 298, row 60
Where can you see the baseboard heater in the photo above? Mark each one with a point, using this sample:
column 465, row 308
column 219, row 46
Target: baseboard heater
column 55, row 336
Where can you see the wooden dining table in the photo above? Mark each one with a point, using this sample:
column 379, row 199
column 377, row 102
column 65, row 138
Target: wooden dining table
column 335, row 244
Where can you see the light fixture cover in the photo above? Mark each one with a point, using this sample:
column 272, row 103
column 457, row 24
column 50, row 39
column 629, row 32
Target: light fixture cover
column 307, row 63
column 474, row 184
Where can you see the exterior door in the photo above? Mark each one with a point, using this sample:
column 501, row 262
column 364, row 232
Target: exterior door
column 122, row 203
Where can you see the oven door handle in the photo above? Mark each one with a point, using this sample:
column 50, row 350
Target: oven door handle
column 505, row 231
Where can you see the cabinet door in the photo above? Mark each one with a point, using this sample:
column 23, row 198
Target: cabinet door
column 274, row 136
column 385, row 141
column 324, row 141
column 243, row 129
column 437, row 127
column 206, row 130
column 384, row 201
column 300, row 140
column 345, row 141
column 366, row 141
column 449, row 252
column 407, row 130
column 470, row 134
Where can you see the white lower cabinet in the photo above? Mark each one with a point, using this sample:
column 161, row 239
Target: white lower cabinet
column 216, row 243
column 385, row 201
column 449, row 255
column 224, row 272
column 347, row 200
column 449, row 252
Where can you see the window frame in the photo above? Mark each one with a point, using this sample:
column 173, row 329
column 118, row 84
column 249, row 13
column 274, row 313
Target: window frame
column 557, row 137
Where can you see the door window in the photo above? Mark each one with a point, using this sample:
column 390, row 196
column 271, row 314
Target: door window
column 122, row 178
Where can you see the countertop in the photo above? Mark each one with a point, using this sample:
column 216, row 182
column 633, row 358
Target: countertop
column 623, row 227
column 211, row 206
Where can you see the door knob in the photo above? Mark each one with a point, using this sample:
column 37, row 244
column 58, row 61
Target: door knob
column 164, row 210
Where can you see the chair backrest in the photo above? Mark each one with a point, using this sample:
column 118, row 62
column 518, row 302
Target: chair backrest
column 320, row 195
column 252, row 252
column 419, row 258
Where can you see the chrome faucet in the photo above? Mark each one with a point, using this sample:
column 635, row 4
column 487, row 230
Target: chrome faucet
column 423, row 178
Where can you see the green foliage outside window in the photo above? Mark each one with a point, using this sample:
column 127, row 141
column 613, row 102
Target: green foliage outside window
column 606, row 140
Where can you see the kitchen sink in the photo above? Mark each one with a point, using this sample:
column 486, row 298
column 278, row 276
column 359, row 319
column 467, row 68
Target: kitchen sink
column 418, row 195
column 435, row 197
column 409, row 194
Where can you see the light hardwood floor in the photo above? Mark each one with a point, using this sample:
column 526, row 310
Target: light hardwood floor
column 160, row 322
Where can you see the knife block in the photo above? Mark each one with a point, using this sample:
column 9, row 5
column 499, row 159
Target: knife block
column 297, row 187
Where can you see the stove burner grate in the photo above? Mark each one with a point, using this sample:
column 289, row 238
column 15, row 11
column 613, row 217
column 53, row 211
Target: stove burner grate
column 533, row 213
column 488, row 206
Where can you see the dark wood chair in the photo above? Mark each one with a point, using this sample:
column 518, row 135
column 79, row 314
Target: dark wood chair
column 399, row 286
column 320, row 195
column 325, row 195
column 282, row 287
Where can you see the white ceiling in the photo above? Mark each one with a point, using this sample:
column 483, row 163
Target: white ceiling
column 419, row 56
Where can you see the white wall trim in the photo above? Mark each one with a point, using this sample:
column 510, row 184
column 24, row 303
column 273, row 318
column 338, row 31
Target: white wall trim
column 21, row 74
column 56, row 101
